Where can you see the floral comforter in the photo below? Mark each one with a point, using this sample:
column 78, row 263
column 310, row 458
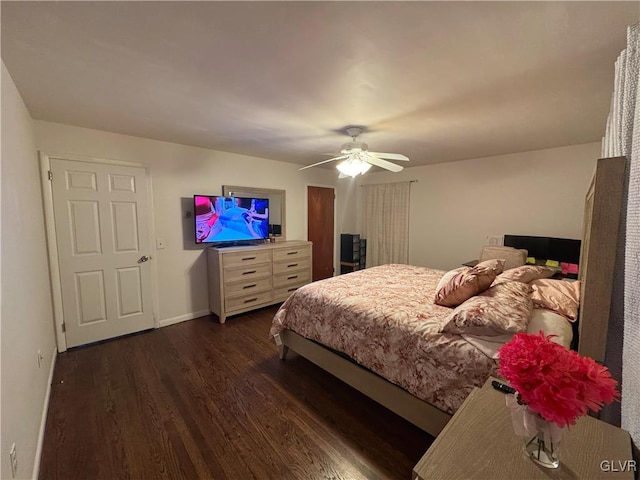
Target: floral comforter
column 384, row 318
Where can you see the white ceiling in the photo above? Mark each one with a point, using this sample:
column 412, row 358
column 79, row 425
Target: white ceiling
column 437, row 81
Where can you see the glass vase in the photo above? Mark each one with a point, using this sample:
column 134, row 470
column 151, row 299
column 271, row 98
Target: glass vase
column 544, row 452
column 541, row 438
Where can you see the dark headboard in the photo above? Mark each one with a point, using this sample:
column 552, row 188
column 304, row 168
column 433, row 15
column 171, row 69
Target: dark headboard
column 547, row 248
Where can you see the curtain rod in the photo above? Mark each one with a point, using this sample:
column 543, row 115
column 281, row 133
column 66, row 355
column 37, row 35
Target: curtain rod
column 363, row 184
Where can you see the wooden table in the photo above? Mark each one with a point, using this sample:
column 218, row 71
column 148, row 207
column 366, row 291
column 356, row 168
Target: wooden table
column 479, row 443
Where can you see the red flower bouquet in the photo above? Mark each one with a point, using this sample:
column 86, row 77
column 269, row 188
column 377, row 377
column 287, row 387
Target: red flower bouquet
column 558, row 384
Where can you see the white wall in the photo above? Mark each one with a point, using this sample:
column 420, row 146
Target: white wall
column 26, row 313
column 178, row 172
column 455, row 205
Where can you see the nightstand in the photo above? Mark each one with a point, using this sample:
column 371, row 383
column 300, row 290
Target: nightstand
column 471, row 263
column 479, row 443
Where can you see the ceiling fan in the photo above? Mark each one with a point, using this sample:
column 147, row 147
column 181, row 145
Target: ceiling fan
column 357, row 159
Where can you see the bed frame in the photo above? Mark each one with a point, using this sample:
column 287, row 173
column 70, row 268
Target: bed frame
column 603, row 206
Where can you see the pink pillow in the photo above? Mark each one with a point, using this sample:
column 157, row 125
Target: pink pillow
column 460, row 284
column 504, row 308
column 455, row 287
column 560, row 296
column 487, row 272
column 526, row 273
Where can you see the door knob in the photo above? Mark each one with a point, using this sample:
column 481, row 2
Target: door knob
column 144, row 258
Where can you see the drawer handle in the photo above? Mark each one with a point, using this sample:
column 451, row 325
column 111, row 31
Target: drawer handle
column 292, row 289
column 251, row 300
column 291, row 253
column 248, row 258
column 292, row 277
column 292, row 265
column 249, row 272
column 249, row 286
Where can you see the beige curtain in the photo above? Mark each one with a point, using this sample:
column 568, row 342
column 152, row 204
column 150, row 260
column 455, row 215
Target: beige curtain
column 386, row 223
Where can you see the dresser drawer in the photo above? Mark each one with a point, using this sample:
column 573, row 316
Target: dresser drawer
column 254, row 257
column 247, row 301
column 291, row 265
column 281, row 294
column 248, row 272
column 291, row 278
column 291, row 253
column 247, row 287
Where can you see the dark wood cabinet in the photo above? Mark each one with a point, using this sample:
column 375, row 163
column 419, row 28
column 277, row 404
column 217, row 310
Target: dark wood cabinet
column 353, row 251
column 363, row 253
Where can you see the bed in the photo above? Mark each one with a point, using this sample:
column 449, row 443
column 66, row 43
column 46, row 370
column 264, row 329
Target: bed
column 406, row 364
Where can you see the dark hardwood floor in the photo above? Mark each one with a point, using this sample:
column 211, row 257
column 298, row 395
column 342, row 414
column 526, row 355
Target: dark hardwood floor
column 204, row 400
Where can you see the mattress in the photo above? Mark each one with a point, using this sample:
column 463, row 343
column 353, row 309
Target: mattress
column 384, row 319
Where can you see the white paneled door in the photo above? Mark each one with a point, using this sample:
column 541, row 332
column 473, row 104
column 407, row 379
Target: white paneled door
column 102, row 230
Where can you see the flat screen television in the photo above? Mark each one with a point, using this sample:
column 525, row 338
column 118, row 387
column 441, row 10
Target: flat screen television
column 230, row 220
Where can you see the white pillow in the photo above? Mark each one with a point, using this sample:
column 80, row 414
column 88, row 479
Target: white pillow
column 549, row 322
column 488, row 345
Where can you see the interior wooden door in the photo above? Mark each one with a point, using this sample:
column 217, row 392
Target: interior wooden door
column 102, row 231
column 320, row 231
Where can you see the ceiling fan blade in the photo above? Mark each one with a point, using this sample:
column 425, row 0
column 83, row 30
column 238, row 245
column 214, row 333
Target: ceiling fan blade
column 342, row 157
column 390, row 156
column 378, row 162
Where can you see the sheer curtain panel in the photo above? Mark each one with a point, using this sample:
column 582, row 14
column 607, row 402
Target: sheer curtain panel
column 622, row 138
column 386, row 223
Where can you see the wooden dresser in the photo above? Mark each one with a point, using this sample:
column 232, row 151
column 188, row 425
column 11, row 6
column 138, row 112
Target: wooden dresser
column 250, row 277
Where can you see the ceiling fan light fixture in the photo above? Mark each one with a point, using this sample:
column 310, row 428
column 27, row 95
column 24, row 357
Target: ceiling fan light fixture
column 353, row 167
column 356, row 159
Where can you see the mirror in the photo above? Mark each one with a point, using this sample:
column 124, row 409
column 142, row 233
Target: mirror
column 277, row 203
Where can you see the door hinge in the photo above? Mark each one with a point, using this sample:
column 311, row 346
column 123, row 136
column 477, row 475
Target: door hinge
column 50, row 175
column 64, row 329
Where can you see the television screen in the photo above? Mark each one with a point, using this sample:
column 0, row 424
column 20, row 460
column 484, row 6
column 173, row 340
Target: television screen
column 230, row 219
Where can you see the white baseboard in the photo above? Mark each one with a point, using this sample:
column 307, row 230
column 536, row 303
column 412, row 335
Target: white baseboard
column 182, row 318
column 43, row 420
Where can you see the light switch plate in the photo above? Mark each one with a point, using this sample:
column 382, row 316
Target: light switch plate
column 494, row 240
